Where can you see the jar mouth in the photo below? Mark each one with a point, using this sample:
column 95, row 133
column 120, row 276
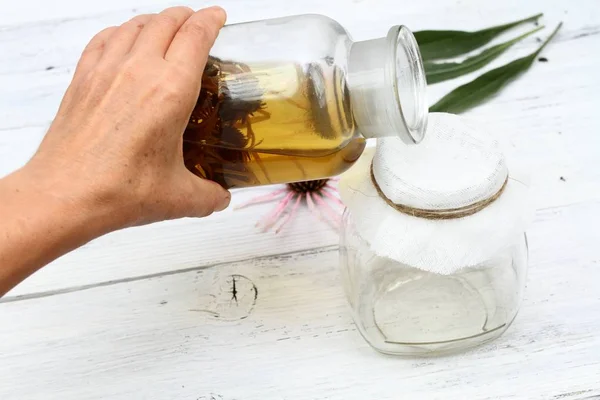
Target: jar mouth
column 406, row 72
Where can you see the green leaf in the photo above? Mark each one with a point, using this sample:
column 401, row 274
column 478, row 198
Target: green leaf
column 476, row 92
column 435, row 45
column 438, row 72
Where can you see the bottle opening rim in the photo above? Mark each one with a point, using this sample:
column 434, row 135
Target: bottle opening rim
column 406, row 72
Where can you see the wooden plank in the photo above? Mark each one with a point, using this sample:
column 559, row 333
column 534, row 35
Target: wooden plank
column 550, row 126
column 119, row 318
column 178, row 245
column 290, row 335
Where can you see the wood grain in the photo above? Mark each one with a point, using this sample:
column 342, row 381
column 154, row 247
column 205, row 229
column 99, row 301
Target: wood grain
column 132, row 315
column 162, row 337
column 548, row 123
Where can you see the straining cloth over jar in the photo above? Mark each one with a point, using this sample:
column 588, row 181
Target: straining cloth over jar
column 449, row 203
column 433, row 248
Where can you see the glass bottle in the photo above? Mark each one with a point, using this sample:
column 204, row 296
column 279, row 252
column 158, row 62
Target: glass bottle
column 293, row 99
column 403, row 310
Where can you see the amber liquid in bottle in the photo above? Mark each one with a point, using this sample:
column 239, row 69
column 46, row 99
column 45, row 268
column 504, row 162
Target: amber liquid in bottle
column 271, row 123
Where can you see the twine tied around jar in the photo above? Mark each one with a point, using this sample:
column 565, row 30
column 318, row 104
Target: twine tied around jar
column 448, row 203
column 448, row 213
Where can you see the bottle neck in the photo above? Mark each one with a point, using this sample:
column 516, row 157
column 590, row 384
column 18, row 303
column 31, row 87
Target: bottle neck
column 387, row 85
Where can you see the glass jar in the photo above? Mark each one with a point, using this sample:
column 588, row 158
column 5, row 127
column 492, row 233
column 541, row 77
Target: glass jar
column 405, row 310
column 293, row 99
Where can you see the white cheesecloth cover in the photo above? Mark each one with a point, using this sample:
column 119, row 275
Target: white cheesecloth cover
column 455, row 166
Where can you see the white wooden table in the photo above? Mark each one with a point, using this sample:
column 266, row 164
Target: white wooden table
column 125, row 316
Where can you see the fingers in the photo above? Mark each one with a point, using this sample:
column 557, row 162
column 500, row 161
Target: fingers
column 122, row 40
column 158, row 34
column 94, row 50
column 177, row 33
column 206, row 197
column 193, row 41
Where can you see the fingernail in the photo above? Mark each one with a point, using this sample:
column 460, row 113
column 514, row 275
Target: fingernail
column 219, row 10
column 224, row 202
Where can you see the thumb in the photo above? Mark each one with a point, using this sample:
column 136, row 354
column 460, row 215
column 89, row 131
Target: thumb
column 206, row 197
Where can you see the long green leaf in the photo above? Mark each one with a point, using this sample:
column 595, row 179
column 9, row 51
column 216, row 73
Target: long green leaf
column 476, row 92
column 435, row 45
column 438, row 72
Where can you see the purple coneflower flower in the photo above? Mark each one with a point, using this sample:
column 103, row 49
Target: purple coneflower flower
column 317, row 195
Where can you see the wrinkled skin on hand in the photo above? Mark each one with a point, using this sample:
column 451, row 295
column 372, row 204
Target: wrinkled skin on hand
column 112, row 157
column 116, row 141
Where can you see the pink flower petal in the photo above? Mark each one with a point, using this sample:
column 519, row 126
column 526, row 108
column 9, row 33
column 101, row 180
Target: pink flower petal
column 313, row 208
column 272, row 218
column 261, row 199
column 290, row 215
column 331, row 196
column 335, row 217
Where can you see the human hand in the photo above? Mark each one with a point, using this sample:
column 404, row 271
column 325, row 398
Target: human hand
column 116, row 143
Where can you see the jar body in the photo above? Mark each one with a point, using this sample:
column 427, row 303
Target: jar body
column 274, row 105
column 408, row 311
column 294, row 99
